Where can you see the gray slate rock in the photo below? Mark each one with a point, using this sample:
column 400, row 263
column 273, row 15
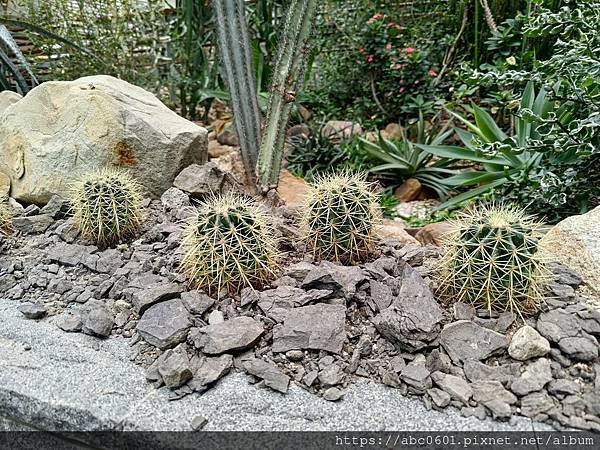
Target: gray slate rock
column 69, row 322
column 340, row 279
column 536, row 375
column 316, row 327
column 457, row 387
column 197, row 302
column 333, row 394
column 153, row 294
column 579, row 348
column 32, row 224
column 465, row 340
column 527, row 343
column 57, row 207
column 440, row 398
column 208, row 370
column 563, row 387
column 558, row 324
column 272, row 376
column 416, row 375
column 200, row 180
column 276, row 303
column 99, row 322
column 487, row 391
column 165, row 324
column 331, row 375
column 231, row 335
column 198, row 422
column 478, row 371
column 537, row 405
column 414, row 319
column 33, row 310
column 69, row 254
column 174, row 368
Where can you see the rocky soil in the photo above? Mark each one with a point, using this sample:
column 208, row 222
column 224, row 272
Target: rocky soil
column 319, row 325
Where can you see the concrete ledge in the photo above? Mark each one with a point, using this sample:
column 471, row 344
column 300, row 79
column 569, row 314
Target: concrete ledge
column 74, row 382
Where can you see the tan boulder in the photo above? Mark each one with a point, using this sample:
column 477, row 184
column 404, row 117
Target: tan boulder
column 575, row 242
column 433, row 233
column 291, row 189
column 408, row 191
column 4, row 184
column 8, row 98
column 64, row 129
column 393, row 131
column 392, row 229
column 340, row 129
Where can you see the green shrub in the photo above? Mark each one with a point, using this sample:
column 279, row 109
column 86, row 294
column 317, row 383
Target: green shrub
column 107, row 205
column 339, row 217
column 403, row 159
column 229, row 244
column 491, row 261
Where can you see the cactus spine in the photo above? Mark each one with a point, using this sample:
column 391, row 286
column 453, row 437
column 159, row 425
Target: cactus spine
column 491, row 260
column 339, row 217
column 5, row 216
column 107, row 205
column 288, row 76
column 234, row 45
column 228, row 244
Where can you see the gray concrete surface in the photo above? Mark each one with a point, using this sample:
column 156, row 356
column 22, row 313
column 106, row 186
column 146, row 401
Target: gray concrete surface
column 77, row 382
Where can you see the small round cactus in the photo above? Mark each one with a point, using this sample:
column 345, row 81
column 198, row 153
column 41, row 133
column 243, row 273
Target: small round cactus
column 5, row 215
column 491, row 260
column 107, row 205
column 339, row 217
column 228, row 244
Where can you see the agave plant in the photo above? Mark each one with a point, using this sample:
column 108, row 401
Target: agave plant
column 502, row 158
column 405, row 159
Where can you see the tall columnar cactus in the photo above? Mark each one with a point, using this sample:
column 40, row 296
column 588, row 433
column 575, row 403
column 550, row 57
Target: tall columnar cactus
column 228, row 244
column 234, row 46
column 339, row 217
column 107, row 205
column 288, row 76
column 491, row 260
column 5, row 215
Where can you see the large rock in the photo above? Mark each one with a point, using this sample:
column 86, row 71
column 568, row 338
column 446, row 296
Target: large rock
column 314, row 327
column 165, row 324
column 576, row 243
column 464, row 340
column 414, row 318
column 8, row 98
column 63, row 129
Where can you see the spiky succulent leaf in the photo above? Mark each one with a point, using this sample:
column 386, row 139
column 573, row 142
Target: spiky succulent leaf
column 5, row 215
column 339, row 217
column 107, row 205
column 491, row 260
column 228, row 245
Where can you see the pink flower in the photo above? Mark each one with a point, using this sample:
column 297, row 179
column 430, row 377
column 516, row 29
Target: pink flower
column 398, row 66
column 361, row 50
column 401, row 90
column 417, row 81
column 370, row 58
column 408, row 50
column 388, row 46
column 432, row 73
